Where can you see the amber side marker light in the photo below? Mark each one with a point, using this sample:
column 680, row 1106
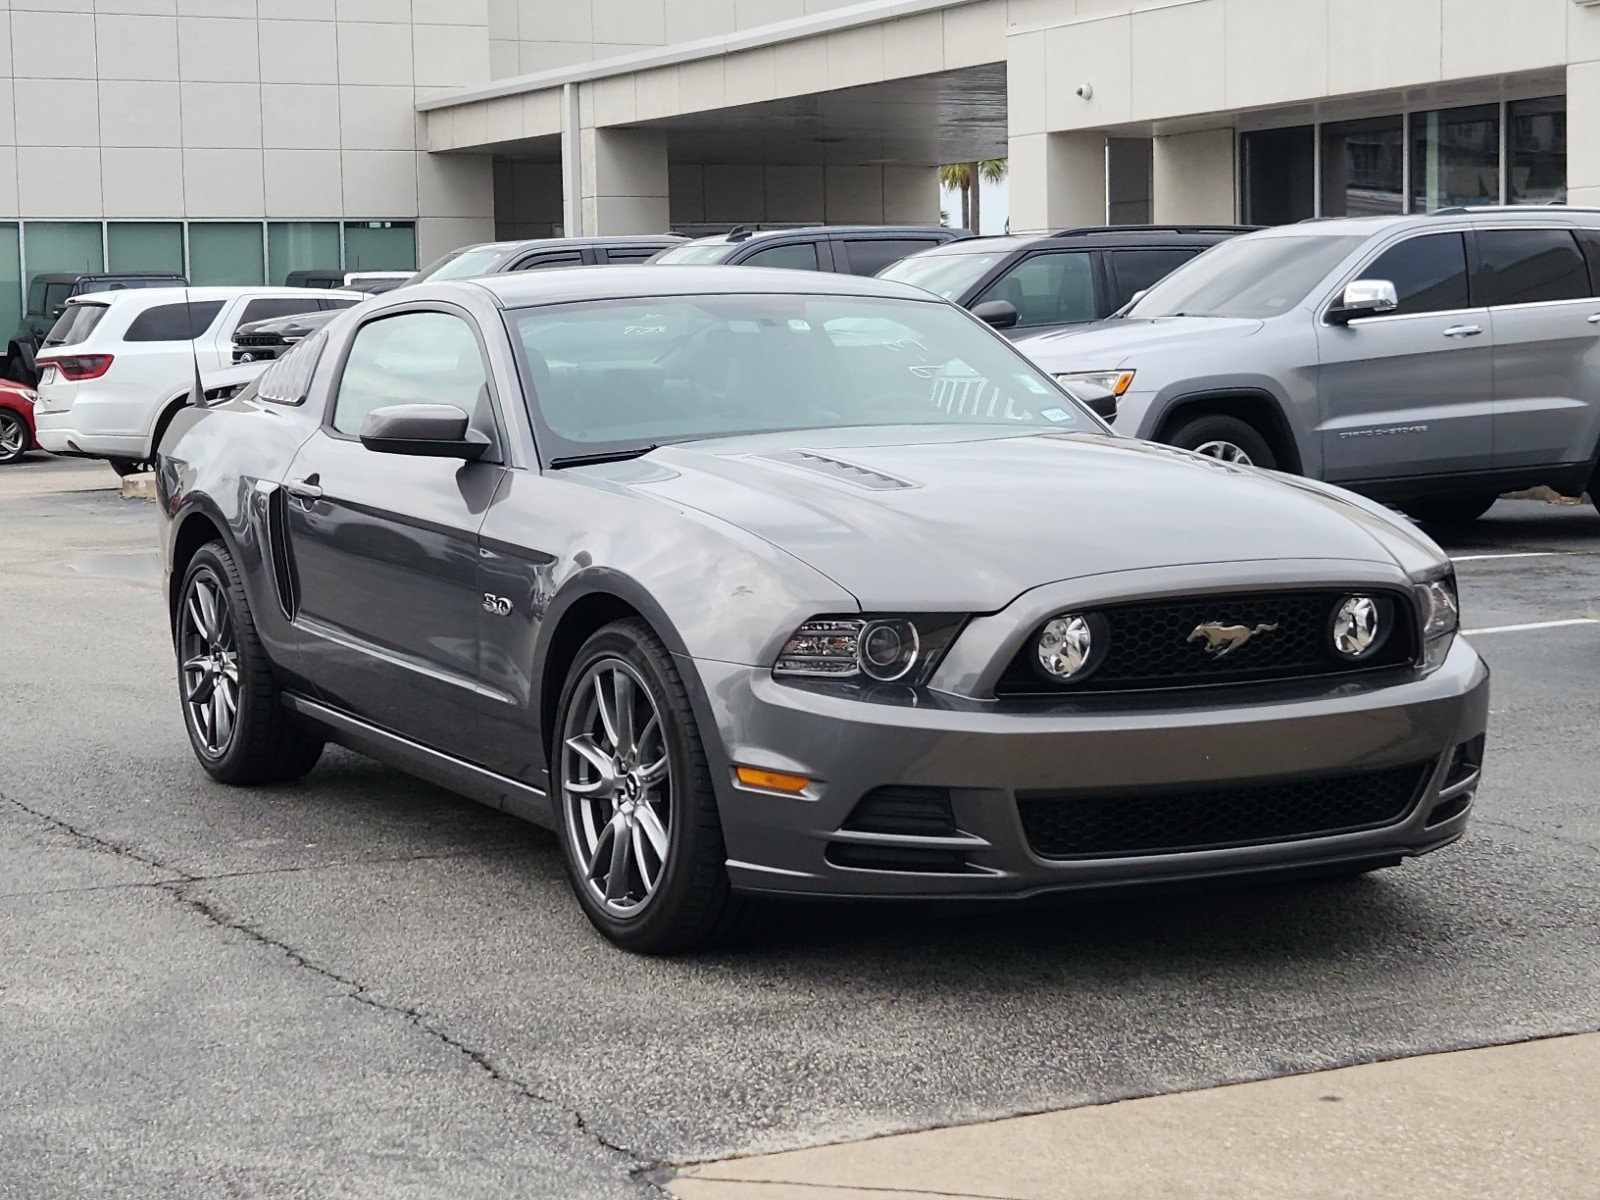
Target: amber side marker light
column 773, row 781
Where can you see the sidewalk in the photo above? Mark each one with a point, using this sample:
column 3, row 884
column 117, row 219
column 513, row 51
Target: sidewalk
column 1492, row 1124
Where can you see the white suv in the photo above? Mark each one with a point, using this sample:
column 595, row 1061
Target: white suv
column 118, row 365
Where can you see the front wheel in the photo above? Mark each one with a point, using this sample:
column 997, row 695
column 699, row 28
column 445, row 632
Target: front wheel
column 14, row 437
column 236, row 722
column 1449, row 510
column 1225, row 438
column 638, row 813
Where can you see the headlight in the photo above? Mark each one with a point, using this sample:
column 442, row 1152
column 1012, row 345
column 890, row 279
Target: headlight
column 1115, row 382
column 31, row 396
column 880, row 649
column 1441, row 614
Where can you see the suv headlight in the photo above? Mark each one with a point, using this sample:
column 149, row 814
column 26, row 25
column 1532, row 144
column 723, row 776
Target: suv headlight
column 1115, row 382
column 877, row 649
column 1440, row 607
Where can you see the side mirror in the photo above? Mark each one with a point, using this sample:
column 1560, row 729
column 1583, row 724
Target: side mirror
column 1101, row 399
column 424, row 430
column 1364, row 298
column 1002, row 314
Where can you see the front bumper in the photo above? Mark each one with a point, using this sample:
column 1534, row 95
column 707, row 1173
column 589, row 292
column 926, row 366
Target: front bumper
column 1281, row 732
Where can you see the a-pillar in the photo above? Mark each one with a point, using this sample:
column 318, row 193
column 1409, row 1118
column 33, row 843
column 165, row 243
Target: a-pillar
column 1193, row 178
column 623, row 179
column 1057, row 181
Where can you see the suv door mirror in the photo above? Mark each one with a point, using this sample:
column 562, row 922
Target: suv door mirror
column 1364, row 298
column 424, row 430
column 1002, row 314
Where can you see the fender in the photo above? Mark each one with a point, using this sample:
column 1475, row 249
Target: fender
column 1166, row 409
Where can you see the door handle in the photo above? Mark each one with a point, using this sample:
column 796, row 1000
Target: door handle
column 1463, row 331
column 304, row 490
column 1595, row 320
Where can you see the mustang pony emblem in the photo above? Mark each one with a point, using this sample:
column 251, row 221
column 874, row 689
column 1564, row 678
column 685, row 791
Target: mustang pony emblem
column 1222, row 640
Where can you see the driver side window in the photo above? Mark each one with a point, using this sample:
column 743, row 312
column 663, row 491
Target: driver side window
column 415, row 358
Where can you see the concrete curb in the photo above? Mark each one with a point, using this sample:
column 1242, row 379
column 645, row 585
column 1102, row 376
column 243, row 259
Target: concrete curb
column 139, row 487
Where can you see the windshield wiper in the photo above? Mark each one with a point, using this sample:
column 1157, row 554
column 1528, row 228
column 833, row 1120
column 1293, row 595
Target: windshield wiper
column 602, row 456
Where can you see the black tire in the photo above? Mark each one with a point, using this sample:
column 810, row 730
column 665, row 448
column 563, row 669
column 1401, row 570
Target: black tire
column 125, row 466
column 1217, row 430
column 1461, row 509
column 262, row 745
column 20, row 366
column 691, row 905
column 13, row 430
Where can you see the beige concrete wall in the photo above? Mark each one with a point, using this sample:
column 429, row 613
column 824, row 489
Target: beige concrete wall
column 1193, row 177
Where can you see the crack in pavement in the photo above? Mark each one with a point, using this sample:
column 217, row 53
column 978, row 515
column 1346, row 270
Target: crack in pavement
column 177, row 887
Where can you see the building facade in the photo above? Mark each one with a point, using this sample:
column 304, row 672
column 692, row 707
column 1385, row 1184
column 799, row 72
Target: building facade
column 237, row 140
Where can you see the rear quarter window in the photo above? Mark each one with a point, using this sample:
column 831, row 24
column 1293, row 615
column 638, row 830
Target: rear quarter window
column 173, row 322
column 75, row 325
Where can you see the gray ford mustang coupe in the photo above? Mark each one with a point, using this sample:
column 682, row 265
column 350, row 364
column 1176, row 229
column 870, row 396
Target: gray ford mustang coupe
column 768, row 582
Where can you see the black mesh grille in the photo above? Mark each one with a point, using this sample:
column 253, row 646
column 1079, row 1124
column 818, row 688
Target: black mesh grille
column 920, row 811
column 1062, row 824
column 1149, row 644
column 258, row 339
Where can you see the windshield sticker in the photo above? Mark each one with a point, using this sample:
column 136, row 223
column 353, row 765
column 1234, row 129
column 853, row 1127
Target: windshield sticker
column 799, row 326
column 1033, row 385
column 1055, row 414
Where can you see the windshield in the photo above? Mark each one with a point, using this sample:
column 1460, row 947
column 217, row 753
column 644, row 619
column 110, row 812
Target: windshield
column 461, row 264
column 611, row 375
column 694, row 252
column 947, row 275
column 1252, row 277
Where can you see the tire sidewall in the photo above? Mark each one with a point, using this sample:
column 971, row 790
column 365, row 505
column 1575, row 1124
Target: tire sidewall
column 215, row 560
column 1221, row 428
column 9, row 418
column 690, row 790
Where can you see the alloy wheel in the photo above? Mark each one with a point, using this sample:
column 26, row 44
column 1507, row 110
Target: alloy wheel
column 13, row 436
column 616, row 786
column 1225, row 451
column 209, row 655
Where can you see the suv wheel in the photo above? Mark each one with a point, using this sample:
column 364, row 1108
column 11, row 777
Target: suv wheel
column 1225, row 438
column 1449, row 510
column 637, row 812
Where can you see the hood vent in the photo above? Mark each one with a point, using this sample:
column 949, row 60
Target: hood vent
column 862, row 477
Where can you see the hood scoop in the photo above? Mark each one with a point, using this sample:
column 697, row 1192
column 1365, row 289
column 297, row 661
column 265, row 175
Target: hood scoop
column 834, row 468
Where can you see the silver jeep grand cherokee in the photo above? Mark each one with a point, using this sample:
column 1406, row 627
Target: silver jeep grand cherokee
column 1429, row 361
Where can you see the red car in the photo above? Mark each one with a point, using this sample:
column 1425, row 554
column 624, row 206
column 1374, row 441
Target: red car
column 16, row 421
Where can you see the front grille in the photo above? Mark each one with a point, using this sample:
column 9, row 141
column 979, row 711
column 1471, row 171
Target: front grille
column 1062, row 824
column 1148, row 644
column 258, row 339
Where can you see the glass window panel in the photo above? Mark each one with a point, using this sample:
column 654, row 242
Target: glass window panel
column 1530, row 266
column 62, row 246
column 1135, row 271
column 173, row 322
column 145, row 246
column 1279, row 175
column 1048, row 289
column 1455, row 157
column 380, row 246
column 415, row 358
column 224, row 253
column 801, row 256
column 10, row 281
column 301, row 246
column 868, row 256
column 1537, row 140
column 1429, row 273
column 1363, row 167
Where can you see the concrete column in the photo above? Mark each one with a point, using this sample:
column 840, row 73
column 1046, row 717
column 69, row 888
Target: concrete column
column 1058, row 180
column 1583, row 133
column 1194, row 178
column 623, row 177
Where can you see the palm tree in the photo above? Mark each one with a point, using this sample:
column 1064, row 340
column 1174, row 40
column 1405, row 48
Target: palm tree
column 966, row 178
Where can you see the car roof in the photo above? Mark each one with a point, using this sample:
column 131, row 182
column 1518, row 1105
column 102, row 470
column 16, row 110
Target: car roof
column 1445, row 218
column 741, row 236
column 527, row 288
column 173, row 295
column 1104, row 236
column 561, row 243
column 73, row 276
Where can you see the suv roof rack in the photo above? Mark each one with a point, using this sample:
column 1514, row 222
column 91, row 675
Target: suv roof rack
column 1082, row 229
column 1464, row 210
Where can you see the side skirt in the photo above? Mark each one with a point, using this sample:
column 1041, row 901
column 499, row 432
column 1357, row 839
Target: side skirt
column 530, row 804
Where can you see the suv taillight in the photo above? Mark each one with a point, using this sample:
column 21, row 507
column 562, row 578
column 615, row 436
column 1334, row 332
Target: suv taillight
column 78, row 367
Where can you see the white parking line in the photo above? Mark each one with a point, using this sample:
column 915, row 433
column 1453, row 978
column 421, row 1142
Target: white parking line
column 1534, row 625
column 1524, row 554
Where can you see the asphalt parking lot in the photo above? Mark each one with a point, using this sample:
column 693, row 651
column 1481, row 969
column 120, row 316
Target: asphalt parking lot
column 361, row 986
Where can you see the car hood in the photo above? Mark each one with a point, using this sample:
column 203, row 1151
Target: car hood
column 930, row 520
column 1106, row 345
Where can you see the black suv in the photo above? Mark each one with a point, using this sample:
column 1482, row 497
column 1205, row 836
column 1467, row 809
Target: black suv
column 499, row 258
column 47, row 299
column 263, row 341
column 844, row 249
column 1028, row 285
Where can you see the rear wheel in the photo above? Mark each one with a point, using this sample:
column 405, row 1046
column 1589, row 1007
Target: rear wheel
column 638, row 814
column 14, row 436
column 1225, row 438
column 1449, row 510
column 237, row 725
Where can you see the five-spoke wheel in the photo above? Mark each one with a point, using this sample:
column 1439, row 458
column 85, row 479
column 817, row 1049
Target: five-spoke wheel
column 208, row 651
